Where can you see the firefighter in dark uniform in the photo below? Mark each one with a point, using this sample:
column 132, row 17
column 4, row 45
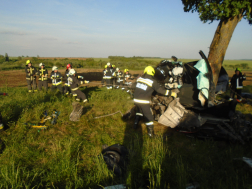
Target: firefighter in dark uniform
column 31, row 76
column 119, row 78
column 145, row 86
column 104, row 76
column 114, row 75
column 126, row 77
column 42, row 73
column 74, row 85
column 67, row 89
column 56, row 78
column 236, row 84
column 109, row 76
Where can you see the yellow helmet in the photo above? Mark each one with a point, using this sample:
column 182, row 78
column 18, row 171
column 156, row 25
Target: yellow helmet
column 113, row 66
column 126, row 70
column 28, row 62
column 106, row 66
column 149, row 70
column 238, row 69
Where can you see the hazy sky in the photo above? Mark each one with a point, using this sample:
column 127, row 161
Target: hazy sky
column 100, row 28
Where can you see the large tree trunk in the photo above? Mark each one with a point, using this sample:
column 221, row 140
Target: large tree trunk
column 220, row 43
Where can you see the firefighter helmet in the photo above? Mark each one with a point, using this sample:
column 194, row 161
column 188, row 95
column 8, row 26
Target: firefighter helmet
column 238, row 69
column 28, row 62
column 108, row 64
column 41, row 64
column 126, row 70
column 113, row 66
column 68, row 66
column 72, row 72
column 149, row 70
column 117, row 69
column 54, row 68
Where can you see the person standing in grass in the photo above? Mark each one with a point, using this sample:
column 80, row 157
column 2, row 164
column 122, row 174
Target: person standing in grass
column 56, row 78
column 237, row 84
column 119, row 78
column 67, row 89
column 74, row 85
column 145, row 86
column 104, row 75
column 43, row 73
column 31, row 76
column 109, row 76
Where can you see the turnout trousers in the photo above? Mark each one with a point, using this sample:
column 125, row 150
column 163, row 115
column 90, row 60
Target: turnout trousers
column 80, row 96
column 109, row 83
column 42, row 83
column 67, row 90
column 236, row 92
column 31, row 84
column 144, row 110
column 54, row 87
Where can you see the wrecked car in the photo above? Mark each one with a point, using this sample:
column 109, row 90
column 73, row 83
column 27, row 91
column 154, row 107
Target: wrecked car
column 195, row 111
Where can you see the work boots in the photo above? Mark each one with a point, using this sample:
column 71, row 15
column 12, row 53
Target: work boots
column 150, row 130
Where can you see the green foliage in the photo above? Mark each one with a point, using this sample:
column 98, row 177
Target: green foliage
column 210, row 10
column 67, row 155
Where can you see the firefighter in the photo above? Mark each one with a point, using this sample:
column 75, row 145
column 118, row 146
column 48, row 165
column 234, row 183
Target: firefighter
column 56, row 78
column 74, row 85
column 126, row 78
column 67, row 89
column 109, row 76
column 119, row 78
column 114, row 75
column 104, row 76
column 31, row 76
column 43, row 73
column 237, row 84
column 145, row 86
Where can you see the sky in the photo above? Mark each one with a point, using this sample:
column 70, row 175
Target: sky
column 102, row 28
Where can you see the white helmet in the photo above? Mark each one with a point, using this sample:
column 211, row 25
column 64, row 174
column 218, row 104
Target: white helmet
column 72, row 72
column 117, row 69
column 108, row 64
column 41, row 64
column 54, row 68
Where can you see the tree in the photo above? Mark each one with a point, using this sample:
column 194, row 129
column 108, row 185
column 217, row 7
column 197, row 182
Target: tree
column 6, row 57
column 229, row 13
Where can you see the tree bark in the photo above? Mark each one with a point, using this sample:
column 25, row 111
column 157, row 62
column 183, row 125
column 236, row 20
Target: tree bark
column 220, row 43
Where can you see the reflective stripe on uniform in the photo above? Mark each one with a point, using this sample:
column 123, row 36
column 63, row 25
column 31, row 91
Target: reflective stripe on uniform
column 74, row 89
column 139, row 114
column 149, row 123
column 237, row 84
column 145, row 81
column 142, row 101
column 57, row 83
column 174, row 94
column 74, row 94
column 167, row 92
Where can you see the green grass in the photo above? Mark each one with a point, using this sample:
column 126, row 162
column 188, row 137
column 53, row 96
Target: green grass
column 67, row 155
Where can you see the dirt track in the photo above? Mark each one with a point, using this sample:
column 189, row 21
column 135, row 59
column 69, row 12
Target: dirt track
column 16, row 78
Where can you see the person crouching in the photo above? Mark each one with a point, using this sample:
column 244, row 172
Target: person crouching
column 56, row 79
column 74, row 85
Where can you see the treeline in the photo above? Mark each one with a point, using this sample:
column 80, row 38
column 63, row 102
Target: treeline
column 121, row 62
column 234, row 66
column 136, row 57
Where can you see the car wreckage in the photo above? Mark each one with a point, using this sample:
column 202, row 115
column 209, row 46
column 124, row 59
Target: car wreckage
column 195, row 111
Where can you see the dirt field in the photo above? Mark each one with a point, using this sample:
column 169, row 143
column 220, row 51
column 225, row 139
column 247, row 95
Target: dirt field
column 16, row 78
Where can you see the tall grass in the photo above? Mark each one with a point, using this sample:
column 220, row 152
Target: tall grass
column 67, row 154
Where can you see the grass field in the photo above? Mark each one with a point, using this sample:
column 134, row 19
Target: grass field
column 67, row 155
